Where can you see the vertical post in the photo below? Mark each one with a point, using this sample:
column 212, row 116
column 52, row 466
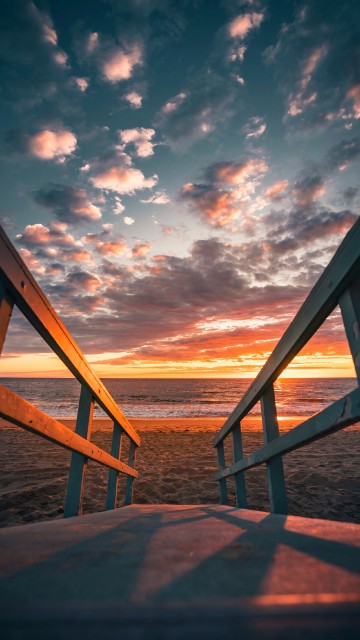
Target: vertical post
column 78, row 466
column 130, row 479
column 222, row 482
column 6, row 307
column 350, row 309
column 274, row 468
column 240, row 489
column 111, row 495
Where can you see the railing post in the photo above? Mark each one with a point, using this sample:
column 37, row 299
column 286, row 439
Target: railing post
column 111, row 495
column 240, row 488
column 6, row 307
column 78, row 466
column 130, row 479
column 349, row 304
column 274, row 468
column 222, row 482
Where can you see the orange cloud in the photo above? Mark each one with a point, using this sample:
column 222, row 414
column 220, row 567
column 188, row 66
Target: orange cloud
column 52, row 145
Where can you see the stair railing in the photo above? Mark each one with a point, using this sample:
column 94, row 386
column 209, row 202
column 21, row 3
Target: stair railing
column 18, row 287
column 339, row 284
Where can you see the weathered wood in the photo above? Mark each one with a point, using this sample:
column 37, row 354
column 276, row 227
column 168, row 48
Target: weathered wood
column 274, row 467
column 129, row 479
column 111, row 495
column 33, row 303
column 350, row 308
column 240, row 487
column 338, row 415
column 222, row 481
column 6, row 308
column 340, row 272
column 78, row 465
column 22, row 413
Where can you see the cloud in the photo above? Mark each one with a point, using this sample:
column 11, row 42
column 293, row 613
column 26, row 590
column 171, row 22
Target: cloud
column 308, row 189
column 83, row 281
column 234, row 173
column 105, row 242
column 342, row 154
column 119, row 207
column 277, row 190
column 225, row 192
column 315, row 53
column 115, row 172
column 119, row 63
column 69, row 204
column 240, row 26
column 51, row 144
column 254, row 128
column 82, row 83
column 134, row 99
column 215, row 206
column 159, row 197
column 115, row 63
column 35, row 69
column 141, row 138
column 128, row 221
column 353, row 95
column 112, row 248
column 193, row 114
column 38, row 234
column 141, row 249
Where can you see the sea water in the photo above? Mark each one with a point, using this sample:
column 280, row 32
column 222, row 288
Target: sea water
column 180, row 398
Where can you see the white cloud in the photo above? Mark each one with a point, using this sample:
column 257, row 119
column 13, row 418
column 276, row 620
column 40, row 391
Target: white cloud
column 159, row 197
column 82, row 83
column 255, row 128
column 119, row 64
column 134, row 99
column 116, row 173
column 140, row 138
column 241, row 25
column 52, row 144
column 119, row 207
column 128, row 220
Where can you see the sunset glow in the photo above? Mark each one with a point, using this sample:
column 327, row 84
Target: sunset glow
column 176, row 175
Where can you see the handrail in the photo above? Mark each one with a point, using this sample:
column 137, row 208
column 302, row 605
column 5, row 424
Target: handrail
column 339, row 284
column 32, row 302
column 18, row 287
column 321, row 301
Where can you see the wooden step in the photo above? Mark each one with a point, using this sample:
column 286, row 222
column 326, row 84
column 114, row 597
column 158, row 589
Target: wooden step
column 189, row 571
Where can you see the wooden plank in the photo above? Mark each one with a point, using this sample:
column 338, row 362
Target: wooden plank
column 6, row 308
column 22, row 413
column 111, row 495
column 222, row 481
column 240, row 487
column 129, row 479
column 340, row 414
column 274, row 467
column 78, row 465
column 33, row 303
column 340, row 272
column 350, row 308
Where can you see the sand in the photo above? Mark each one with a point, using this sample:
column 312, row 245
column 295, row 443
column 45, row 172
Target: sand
column 177, row 463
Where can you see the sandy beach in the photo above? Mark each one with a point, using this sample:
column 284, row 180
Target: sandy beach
column 176, row 464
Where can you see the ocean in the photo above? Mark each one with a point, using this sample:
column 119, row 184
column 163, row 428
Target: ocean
column 180, row 398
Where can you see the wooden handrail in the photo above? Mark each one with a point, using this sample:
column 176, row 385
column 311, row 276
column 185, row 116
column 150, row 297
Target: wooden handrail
column 322, row 300
column 32, row 302
column 18, row 287
column 24, row 414
column 339, row 284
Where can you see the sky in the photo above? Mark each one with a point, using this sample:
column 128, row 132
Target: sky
column 176, row 174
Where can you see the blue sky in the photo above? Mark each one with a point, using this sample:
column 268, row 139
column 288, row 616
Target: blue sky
column 176, row 174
